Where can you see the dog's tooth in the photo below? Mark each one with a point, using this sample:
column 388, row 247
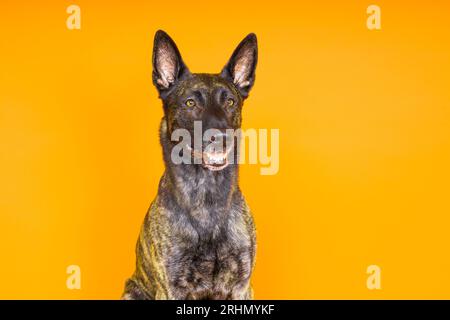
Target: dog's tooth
column 214, row 158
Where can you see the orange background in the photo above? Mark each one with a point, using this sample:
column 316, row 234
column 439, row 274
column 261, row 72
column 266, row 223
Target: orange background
column 364, row 142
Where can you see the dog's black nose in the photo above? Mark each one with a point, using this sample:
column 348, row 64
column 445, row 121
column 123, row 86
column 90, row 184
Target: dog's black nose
column 219, row 135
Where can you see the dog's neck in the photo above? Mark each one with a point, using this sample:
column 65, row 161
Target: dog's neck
column 192, row 187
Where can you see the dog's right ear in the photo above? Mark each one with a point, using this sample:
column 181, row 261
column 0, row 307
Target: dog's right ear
column 168, row 67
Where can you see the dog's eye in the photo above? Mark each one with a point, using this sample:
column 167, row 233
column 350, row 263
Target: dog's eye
column 190, row 103
column 230, row 102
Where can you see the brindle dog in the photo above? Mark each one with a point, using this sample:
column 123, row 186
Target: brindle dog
column 198, row 237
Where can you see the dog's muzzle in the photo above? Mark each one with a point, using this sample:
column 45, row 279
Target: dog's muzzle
column 212, row 160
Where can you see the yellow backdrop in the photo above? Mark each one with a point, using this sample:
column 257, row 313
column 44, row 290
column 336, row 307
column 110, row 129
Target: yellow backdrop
column 364, row 142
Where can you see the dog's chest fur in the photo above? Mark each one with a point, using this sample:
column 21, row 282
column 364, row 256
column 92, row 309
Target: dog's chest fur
column 197, row 240
column 213, row 246
column 216, row 268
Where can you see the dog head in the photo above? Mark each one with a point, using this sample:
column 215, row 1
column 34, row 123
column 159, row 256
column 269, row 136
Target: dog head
column 212, row 100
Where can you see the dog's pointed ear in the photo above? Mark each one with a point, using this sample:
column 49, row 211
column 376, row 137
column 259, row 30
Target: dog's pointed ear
column 240, row 69
column 168, row 67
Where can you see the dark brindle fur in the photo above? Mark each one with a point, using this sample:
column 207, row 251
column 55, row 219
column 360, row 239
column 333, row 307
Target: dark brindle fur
column 198, row 238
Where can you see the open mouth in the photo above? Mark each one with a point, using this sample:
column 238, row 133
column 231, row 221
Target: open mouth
column 214, row 161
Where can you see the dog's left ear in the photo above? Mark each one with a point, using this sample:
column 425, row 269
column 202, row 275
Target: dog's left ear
column 240, row 69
